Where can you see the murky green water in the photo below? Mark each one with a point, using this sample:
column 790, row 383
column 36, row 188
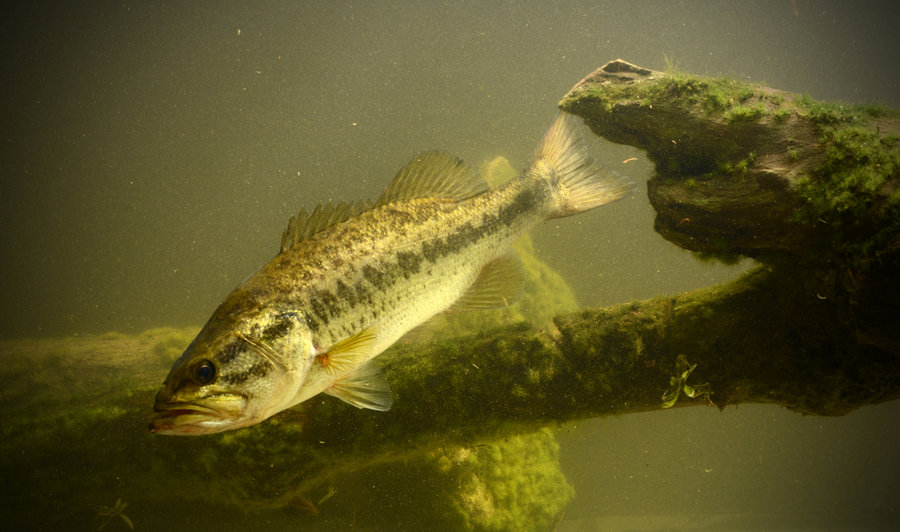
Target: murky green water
column 153, row 153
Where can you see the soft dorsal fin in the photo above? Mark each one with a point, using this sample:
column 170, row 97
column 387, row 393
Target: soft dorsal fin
column 500, row 284
column 433, row 174
column 325, row 215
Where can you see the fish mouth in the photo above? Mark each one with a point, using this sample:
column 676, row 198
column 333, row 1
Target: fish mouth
column 185, row 419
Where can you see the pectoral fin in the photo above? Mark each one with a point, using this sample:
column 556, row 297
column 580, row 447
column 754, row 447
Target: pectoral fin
column 500, row 284
column 364, row 387
column 348, row 353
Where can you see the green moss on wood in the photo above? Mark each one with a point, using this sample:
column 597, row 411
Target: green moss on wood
column 756, row 171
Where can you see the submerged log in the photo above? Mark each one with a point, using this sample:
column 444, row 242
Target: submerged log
column 465, row 445
column 808, row 188
column 747, row 169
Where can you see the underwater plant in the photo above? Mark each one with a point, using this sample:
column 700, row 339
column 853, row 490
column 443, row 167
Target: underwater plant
column 105, row 514
column 678, row 383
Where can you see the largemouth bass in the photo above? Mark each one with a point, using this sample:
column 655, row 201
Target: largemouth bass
column 351, row 279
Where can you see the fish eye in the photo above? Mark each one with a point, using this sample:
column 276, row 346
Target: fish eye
column 203, row 372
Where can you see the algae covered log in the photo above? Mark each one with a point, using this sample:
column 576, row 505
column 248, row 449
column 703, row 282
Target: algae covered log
column 466, row 444
column 810, row 189
column 763, row 338
column 746, row 169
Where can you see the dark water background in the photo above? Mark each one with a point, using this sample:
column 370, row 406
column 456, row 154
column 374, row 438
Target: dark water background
column 153, row 152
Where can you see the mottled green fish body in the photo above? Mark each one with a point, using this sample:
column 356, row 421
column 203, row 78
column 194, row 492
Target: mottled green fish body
column 352, row 279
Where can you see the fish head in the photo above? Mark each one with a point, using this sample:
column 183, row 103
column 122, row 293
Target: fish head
column 233, row 375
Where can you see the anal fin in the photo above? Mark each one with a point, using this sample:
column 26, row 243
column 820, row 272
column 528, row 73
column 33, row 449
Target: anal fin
column 363, row 387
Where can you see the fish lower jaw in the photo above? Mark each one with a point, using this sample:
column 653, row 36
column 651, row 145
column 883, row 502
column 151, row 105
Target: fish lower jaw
column 188, row 422
column 191, row 420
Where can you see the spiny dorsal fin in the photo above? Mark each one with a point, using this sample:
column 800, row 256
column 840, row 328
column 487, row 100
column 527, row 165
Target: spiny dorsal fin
column 500, row 284
column 433, row 174
column 325, row 215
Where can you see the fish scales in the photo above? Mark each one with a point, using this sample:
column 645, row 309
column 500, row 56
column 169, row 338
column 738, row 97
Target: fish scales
column 343, row 290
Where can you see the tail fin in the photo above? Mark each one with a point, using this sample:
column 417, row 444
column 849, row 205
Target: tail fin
column 580, row 182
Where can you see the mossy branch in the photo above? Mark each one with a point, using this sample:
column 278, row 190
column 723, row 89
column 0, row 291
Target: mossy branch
column 767, row 337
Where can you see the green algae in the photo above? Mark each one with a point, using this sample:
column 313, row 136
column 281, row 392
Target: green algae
column 860, row 163
column 714, row 96
column 853, row 191
column 509, row 484
column 744, row 113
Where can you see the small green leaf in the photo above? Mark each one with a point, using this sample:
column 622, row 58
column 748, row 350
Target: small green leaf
column 668, row 403
column 127, row 521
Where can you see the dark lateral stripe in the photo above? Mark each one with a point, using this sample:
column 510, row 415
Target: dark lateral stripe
column 346, row 294
column 319, row 310
column 373, row 275
column 405, row 264
column 409, row 263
